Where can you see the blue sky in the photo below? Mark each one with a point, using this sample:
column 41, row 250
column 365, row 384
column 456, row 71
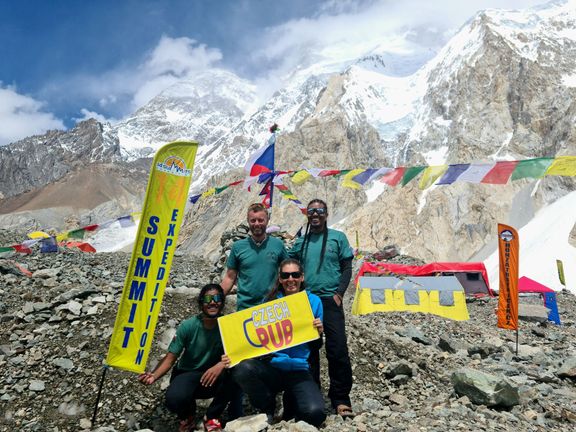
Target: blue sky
column 62, row 61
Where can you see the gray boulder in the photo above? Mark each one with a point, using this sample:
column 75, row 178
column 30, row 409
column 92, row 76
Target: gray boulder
column 485, row 389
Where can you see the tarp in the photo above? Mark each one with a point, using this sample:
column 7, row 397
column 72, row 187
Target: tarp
column 527, row 285
column 431, row 269
column 438, row 295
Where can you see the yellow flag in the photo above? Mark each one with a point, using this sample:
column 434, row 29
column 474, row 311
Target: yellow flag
column 38, row 235
column 151, row 260
column 563, row 166
column 267, row 328
column 430, row 175
column 301, row 177
column 347, row 179
column 209, row 192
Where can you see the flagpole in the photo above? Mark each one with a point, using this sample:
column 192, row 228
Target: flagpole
column 104, row 370
column 273, row 129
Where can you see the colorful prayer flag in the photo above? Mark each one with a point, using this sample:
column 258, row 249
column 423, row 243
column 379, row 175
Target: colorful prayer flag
column 347, row 179
column 500, row 173
column 452, row 173
column 531, row 168
column 392, row 178
column 410, row 173
column 430, row 175
column 563, row 166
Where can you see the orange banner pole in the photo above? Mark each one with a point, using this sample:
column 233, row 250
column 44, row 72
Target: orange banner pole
column 508, row 247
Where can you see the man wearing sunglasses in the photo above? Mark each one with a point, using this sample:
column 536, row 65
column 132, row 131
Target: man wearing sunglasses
column 326, row 257
column 200, row 373
column 253, row 262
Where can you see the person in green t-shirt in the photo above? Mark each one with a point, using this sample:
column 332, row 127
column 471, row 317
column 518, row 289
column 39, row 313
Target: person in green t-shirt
column 253, row 262
column 199, row 373
column 327, row 257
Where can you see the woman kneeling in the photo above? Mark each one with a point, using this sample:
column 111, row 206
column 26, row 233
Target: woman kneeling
column 287, row 370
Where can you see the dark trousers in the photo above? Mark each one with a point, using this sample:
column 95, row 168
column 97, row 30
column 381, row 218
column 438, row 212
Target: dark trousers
column 261, row 382
column 339, row 367
column 185, row 388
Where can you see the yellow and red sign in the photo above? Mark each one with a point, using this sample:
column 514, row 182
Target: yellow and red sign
column 267, row 328
column 151, row 260
column 508, row 246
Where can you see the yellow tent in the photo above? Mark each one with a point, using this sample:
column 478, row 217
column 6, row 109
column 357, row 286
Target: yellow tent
column 443, row 296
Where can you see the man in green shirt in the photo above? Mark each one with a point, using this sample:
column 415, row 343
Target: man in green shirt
column 327, row 257
column 200, row 373
column 253, row 262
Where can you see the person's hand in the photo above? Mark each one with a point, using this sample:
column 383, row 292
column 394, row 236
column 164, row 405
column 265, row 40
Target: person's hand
column 317, row 323
column 226, row 360
column 211, row 375
column 337, row 300
column 147, row 378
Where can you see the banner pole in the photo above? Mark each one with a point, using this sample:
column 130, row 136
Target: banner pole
column 516, row 341
column 105, row 368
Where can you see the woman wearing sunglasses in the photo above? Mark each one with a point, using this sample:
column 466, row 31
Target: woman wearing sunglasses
column 326, row 257
column 287, row 370
column 200, row 373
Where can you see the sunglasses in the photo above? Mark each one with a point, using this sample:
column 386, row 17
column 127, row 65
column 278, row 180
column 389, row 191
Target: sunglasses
column 286, row 275
column 319, row 211
column 216, row 298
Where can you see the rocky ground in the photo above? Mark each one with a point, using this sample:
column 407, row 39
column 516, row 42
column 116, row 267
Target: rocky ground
column 55, row 328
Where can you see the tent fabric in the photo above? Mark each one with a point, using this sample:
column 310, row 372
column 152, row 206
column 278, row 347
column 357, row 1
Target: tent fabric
column 527, row 285
column 430, row 270
column 443, row 296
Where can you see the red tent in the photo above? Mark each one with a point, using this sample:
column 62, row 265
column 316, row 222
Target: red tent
column 527, row 285
column 473, row 276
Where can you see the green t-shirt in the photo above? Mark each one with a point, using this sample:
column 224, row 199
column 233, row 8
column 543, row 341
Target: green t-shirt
column 257, row 268
column 323, row 282
column 202, row 347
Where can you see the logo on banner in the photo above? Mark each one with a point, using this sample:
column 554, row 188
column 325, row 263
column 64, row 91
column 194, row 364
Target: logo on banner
column 174, row 165
column 267, row 328
column 507, row 235
column 272, row 326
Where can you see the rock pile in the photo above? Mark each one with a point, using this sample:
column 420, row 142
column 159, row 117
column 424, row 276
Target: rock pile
column 412, row 372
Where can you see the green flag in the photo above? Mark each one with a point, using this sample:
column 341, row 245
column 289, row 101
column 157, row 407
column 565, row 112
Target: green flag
column 531, row 168
column 410, row 173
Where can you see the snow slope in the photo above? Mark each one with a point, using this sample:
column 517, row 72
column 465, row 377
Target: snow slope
column 542, row 241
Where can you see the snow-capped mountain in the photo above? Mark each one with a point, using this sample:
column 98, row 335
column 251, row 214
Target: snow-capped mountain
column 504, row 87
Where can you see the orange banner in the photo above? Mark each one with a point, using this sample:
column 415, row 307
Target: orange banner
column 508, row 246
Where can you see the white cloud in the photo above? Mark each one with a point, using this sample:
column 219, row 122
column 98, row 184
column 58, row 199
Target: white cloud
column 22, row 116
column 125, row 89
column 87, row 114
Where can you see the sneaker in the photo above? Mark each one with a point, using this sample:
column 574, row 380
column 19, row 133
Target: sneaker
column 212, row 425
column 187, row 425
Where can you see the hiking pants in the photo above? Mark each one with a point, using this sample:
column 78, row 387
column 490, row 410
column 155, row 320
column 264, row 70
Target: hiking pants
column 185, row 388
column 262, row 381
column 339, row 367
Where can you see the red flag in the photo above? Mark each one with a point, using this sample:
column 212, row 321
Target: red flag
column 393, row 177
column 508, row 245
column 22, row 249
column 500, row 173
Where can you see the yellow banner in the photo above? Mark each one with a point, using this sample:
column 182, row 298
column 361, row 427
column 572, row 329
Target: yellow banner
column 151, row 260
column 267, row 328
column 560, row 266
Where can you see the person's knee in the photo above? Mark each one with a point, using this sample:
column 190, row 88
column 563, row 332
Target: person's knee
column 175, row 401
column 313, row 414
column 244, row 371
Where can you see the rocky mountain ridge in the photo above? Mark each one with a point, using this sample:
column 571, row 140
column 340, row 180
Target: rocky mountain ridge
column 499, row 90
